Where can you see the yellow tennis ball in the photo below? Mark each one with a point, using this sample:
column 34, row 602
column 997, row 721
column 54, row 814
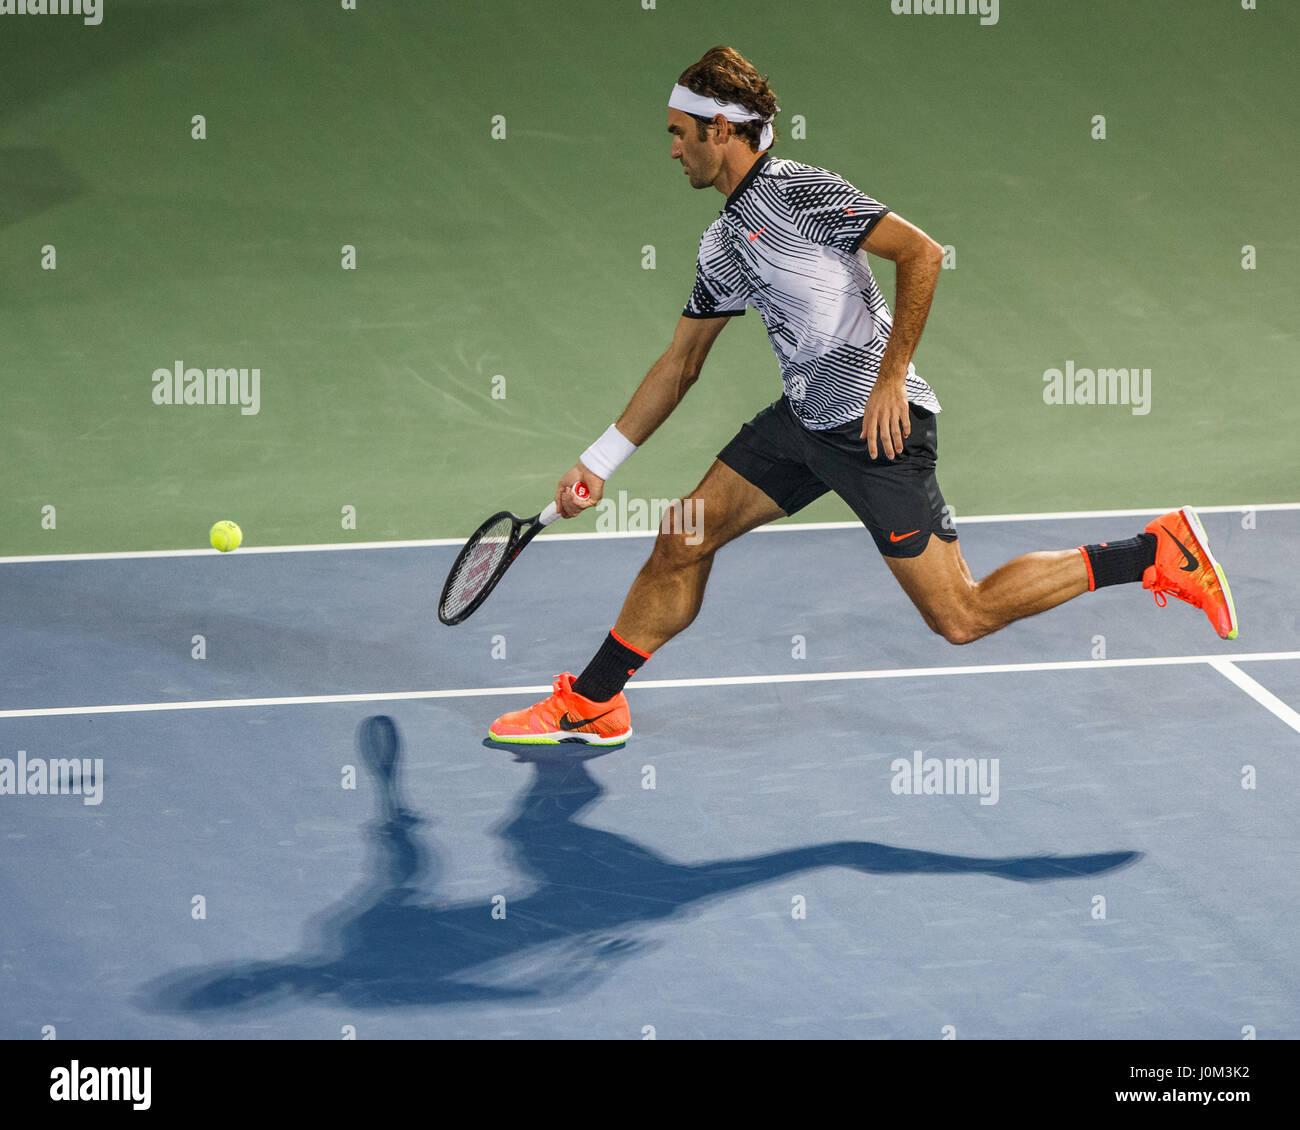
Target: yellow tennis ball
column 225, row 536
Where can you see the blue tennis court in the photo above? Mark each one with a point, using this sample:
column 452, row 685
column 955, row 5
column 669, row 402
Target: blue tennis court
column 829, row 822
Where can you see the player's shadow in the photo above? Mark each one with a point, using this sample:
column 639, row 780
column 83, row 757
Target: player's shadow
column 388, row 945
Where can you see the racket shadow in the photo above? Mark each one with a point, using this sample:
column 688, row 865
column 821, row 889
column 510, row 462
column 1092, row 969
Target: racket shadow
column 589, row 893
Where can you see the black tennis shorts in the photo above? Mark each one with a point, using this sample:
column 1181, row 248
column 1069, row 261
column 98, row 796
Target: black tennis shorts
column 898, row 500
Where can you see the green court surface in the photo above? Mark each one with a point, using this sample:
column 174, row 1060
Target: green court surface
column 521, row 257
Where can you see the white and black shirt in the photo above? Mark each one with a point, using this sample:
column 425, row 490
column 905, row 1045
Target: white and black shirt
column 787, row 243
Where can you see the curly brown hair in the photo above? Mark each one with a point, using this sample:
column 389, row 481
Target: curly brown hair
column 726, row 74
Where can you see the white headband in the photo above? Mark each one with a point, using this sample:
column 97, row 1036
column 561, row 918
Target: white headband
column 705, row 107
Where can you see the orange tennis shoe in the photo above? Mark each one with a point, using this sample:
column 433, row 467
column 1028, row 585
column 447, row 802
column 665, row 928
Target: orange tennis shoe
column 566, row 717
column 1185, row 568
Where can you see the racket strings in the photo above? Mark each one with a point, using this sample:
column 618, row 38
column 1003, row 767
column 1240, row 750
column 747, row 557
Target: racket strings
column 477, row 566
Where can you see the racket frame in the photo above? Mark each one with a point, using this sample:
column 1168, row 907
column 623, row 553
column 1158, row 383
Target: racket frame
column 522, row 531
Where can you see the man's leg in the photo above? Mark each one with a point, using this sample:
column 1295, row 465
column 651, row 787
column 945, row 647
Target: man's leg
column 663, row 600
column 900, row 503
column 1171, row 557
column 667, row 593
column 962, row 609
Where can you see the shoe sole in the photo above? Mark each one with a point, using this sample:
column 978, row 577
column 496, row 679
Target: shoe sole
column 1193, row 521
column 560, row 737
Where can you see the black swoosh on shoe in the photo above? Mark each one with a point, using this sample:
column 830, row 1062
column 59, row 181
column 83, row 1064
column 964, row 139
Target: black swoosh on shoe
column 1192, row 563
column 567, row 723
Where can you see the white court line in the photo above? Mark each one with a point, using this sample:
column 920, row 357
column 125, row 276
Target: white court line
column 612, row 535
column 651, row 684
column 1262, row 695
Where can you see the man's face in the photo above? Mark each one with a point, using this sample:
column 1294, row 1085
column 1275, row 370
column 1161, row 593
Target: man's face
column 702, row 160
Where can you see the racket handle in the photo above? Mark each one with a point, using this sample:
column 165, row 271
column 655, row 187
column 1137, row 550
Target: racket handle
column 550, row 514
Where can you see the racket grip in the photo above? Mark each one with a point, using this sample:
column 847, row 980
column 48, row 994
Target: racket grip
column 547, row 516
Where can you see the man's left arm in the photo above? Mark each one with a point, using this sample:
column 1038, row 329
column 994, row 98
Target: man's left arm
column 917, row 259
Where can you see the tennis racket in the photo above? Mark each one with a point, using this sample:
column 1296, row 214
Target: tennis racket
column 490, row 551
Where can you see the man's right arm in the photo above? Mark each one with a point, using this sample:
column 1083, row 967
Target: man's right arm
column 660, row 391
column 666, row 383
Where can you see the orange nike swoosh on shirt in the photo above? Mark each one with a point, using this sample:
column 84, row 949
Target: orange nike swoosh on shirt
column 755, row 235
column 901, row 537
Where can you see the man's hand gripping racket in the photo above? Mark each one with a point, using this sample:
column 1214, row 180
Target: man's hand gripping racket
column 490, row 551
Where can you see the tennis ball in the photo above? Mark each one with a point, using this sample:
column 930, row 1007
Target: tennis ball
column 225, row 536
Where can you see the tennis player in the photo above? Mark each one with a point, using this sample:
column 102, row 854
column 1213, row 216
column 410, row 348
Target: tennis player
column 855, row 417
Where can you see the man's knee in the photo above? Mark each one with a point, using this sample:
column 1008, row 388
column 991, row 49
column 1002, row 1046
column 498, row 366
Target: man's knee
column 682, row 540
column 957, row 625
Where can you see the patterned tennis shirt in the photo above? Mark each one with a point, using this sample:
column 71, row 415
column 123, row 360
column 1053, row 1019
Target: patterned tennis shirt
column 787, row 244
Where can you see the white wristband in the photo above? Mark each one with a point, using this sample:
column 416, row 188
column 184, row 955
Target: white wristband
column 604, row 456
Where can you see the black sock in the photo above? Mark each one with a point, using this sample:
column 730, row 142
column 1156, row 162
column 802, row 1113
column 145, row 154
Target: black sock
column 1119, row 562
column 609, row 670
